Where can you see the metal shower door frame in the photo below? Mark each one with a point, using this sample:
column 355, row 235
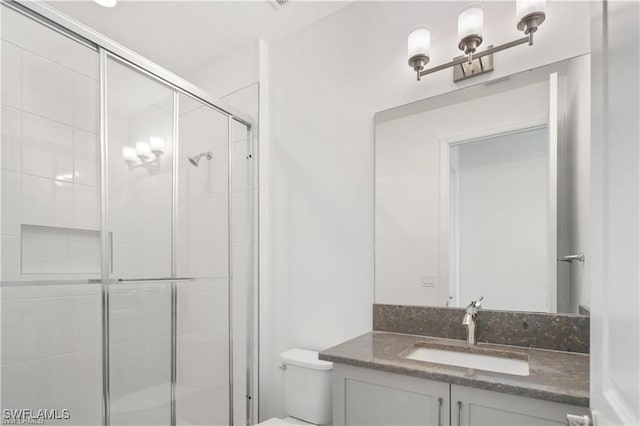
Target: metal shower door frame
column 108, row 49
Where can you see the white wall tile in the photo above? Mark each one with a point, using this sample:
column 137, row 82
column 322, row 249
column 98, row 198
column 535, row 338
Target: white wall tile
column 62, row 290
column 203, row 129
column 239, row 228
column 10, row 260
column 158, row 362
column 86, row 104
column 156, row 260
column 208, row 260
column 11, row 331
column 39, row 39
column 47, row 148
column 87, row 322
column 47, row 327
column 118, row 109
column 48, row 382
column 127, row 320
column 205, row 312
column 11, row 138
column 127, row 370
column 46, row 202
column 47, row 89
column 11, row 203
column 86, row 153
column 87, row 415
column 208, row 220
column 204, row 360
column 87, row 375
column 12, row 383
column 206, row 406
column 86, row 207
column 83, row 251
column 158, row 312
column 11, row 75
column 44, row 255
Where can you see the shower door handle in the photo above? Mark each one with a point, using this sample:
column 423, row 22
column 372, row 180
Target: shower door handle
column 138, row 280
column 571, row 257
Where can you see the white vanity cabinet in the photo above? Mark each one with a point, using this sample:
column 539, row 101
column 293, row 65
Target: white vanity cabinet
column 373, row 398
column 470, row 407
column 364, row 397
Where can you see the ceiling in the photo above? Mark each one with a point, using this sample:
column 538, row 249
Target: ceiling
column 182, row 35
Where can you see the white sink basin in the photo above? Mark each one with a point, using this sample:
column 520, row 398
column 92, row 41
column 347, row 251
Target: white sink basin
column 498, row 364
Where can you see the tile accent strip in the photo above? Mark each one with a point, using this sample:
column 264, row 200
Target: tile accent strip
column 560, row 332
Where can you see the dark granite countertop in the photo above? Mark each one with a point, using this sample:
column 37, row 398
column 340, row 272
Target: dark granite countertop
column 555, row 376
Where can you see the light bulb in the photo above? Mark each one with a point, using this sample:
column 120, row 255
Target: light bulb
column 129, row 154
column 143, row 150
column 157, row 145
column 470, row 22
column 527, row 7
column 419, row 42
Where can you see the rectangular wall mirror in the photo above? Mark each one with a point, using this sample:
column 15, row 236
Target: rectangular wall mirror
column 474, row 197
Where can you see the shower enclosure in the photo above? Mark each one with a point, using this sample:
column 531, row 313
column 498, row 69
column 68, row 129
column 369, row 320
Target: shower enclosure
column 127, row 236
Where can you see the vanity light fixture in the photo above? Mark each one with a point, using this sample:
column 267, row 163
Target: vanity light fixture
column 529, row 13
column 145, row 154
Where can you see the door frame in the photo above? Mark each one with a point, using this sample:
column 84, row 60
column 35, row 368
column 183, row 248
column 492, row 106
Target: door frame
column 451, row 292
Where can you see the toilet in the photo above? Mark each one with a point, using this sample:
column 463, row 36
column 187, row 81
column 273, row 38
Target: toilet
column 307, row 389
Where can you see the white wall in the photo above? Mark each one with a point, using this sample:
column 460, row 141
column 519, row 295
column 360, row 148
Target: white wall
column 326, row 82
column 615, row 214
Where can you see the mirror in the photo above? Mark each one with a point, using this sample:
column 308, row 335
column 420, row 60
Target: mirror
column 484, row 191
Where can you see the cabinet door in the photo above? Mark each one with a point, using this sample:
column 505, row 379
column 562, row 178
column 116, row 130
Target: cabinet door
column 479, row 407
column 367, row 397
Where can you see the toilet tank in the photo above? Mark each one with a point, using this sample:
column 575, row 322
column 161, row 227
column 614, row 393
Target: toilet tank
column 307, row 386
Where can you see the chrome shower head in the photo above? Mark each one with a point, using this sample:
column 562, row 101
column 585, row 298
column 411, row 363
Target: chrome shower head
column 196, row 158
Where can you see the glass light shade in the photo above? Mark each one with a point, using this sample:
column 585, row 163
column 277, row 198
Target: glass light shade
column 157, row 145
column 143, row 150
column 526, row 7
column 470, row 22
column 106, row 3
column 419, row 41
column 129, row 154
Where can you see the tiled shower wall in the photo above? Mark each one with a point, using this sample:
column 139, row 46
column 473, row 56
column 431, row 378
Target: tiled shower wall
column 50, row 147
column 50, row 231
column 50, row 221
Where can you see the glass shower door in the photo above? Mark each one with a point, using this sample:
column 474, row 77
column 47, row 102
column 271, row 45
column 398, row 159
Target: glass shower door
column 140, row 123
column 203, row 350
column 169, row 231
column 51, row 322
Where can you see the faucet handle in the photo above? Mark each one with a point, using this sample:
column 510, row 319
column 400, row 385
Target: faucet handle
column 474, row 305
column 478, row 303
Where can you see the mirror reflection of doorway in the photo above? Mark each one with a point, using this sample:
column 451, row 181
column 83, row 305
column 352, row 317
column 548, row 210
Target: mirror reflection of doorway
column 499, row 226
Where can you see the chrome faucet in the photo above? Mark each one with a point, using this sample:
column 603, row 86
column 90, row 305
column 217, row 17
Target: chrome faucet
column 470, row 320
